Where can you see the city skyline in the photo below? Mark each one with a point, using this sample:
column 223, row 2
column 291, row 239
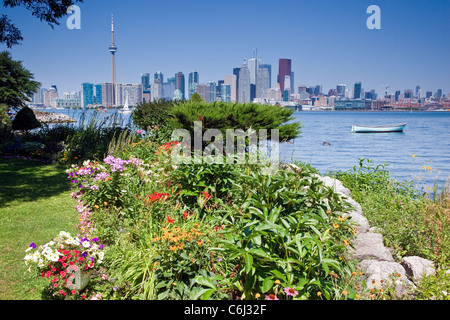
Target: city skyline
column 319, row 62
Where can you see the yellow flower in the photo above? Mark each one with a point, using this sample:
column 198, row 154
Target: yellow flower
column 335, row 225
column 357, row 296
column 319, row 293
column 413, row 155
column 277, row 282
column 173, row 248
column 345, row 292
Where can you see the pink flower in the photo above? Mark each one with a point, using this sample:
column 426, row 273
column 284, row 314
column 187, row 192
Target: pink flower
column 272, row 297
column 290, row 292
column 104, row 277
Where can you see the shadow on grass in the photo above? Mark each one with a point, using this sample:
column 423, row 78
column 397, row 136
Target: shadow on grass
column 30, row 181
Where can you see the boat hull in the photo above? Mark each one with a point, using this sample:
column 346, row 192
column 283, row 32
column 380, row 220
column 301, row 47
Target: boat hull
column 378, row 129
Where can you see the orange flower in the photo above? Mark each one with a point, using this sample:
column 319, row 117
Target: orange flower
column 169, row 220
column 173, row 248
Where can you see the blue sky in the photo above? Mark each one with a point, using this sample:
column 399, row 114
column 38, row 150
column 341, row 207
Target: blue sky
column 327, row 40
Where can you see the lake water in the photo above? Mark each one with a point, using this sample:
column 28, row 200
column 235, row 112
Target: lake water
column 426, row 136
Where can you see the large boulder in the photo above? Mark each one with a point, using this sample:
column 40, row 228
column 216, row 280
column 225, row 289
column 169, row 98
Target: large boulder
column 369, row 245
column 417, row 267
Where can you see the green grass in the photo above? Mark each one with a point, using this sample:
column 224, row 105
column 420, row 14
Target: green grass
column 35, row 205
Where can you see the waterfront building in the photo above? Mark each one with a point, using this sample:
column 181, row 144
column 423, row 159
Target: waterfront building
column 348, row 104
column 231, row 80
column 439, row 94
column 285, row 69
column 108, row 94
column 193, row 83
column 262, row 82
column 301, row 89
column 244, row 84
column 357, row 93
column 66, row 103
column 98, row 94
column 146, row 96
column 318, row 90
column 274, row 94
column 48, row 95
column 180, row 85
column 134, row 92
column 145, row 80
column 87, row 95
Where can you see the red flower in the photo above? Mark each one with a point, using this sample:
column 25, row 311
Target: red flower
column 74, row 291
column 169, row 220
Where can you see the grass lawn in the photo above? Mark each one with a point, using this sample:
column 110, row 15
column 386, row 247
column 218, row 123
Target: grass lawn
column 35, row 205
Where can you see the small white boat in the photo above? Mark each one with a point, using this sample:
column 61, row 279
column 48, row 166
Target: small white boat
column 377, row 129
column 125, row 109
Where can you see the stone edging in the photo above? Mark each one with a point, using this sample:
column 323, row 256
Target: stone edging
column 373, row 258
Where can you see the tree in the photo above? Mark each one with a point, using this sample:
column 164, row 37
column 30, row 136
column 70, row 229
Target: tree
column 196, row 98
column 45, row 10
column 16, row 83
column 25, row 120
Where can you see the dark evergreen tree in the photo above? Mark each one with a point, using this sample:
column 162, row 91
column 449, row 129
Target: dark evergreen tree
column 25, row 120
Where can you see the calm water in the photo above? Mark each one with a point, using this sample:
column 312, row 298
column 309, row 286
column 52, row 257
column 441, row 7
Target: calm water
column 427, row 136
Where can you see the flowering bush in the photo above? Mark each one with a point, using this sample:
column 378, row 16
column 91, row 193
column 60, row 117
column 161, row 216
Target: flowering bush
column 63, row 261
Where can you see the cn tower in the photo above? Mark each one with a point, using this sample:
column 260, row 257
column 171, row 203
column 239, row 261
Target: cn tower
column 113, row 50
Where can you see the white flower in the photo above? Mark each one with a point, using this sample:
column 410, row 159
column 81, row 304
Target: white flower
column 47, row 250
column 86, row 244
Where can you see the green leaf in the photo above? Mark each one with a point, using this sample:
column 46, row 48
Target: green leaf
column 267, row 284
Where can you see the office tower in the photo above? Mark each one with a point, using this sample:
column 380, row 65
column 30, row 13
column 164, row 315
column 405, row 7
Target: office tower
column 226, row 92
column 203, row 90
column 87, row 94
column 439, row 94
column 357, row 93
column 292, row 82
column 159, row 75
column 132, row 91
column 269, row 70
column 317, row 90
column 418, row 91
column 231, row 80
column 156, row 90
column 113, row 50
column 397, row 95
column 301, row 89
column 177, row 95
column 244, row 84
column 180, row 85
column 98, row 94
column 193, row 83
column 236, row 73
column 408, row 94
column 212, row 91
column 169, row 88
column 341, row 90
column 253, row 65
column 219, row 88
column 145, row 80
column 262, row 82
column 108, row 94
column 285, row 69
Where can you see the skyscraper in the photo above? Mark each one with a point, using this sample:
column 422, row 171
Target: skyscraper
column 269, row 69
column 145, row 80
column 341, row 90
column 87, row 94
column 236, row 73
column 159, row 75
column 193, row 83
column 113, row 50
column 180, row 84
column 108, row 94
column 253, row 65
column 285, row 69
column 212, row 91
column 357, row 93
column 262, row 82
column 244, row 84
column 231, row 80
column 98, row 94
column 203, row 90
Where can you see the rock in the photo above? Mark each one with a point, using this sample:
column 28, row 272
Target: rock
column 362, row 224
column 46, row 117
column 385, row 273
column 335, row 184
column 417, row 267
column 370, row 245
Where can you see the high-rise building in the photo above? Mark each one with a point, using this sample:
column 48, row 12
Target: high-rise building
column 180, row 85
column 226, row 92
column 262, row 83
column 203, row 89
column 159, row 75
column 98, row 94
column 269, row 70
column 132, row 91
column 318, row 90
column 244, row 84
column 193, row 83
column 145, row 80
column 156, row 90
column 113, row 50
column 439, row 94
column 212, row 91
column 253, row 65
column 108, row 94
column 231, row 80
column 169, row 88
column 236, row 73
column 341, row 90
column 301, row 89
column 285, row 69
column 87, row 94
column 357, row 93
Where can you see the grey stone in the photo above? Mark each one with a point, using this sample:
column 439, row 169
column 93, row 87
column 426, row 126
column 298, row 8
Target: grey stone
column 385, row 273
column 370, row 245
column 417, row 267
column 362, row 224
column 335, row 184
